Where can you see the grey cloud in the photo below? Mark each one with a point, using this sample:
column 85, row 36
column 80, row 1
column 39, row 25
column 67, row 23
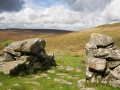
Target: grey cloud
column 90, row 5
column 2, row 18
column 11, row 5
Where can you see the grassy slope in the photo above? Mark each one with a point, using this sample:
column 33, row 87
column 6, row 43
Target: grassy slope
column 77, row 40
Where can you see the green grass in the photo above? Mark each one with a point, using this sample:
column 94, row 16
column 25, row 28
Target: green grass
column 50, row 84
column 7, row 42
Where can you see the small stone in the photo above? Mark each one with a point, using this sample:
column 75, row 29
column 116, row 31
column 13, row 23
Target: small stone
column 78, row 70
column 68, row 68
column 87, row 89
column 69, row 76
column 44, row 75
column 17, row 85
column 80, row 83
column 62, row 81
column 35, row 83
column 1, row 84
column 36, row 89
column 77, row 75
column 60, row 67
column 115, row 83
column 62, row 74
column 51, row 71
column 104, row 82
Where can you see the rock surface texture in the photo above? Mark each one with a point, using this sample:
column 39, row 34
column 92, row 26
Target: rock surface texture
column 103, row 60
column 25, row 57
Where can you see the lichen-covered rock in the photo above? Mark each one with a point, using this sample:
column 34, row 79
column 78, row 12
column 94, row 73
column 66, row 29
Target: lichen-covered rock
column 109, row 54
column 113, row 64
column 6, row 57
column 27, row 46
column 97, row 64
column 114, row 83
column 32, row 46
column 101, row 40
column 116, row 72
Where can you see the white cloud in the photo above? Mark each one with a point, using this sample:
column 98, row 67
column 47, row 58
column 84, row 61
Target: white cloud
column 54, row 17
column 112, row 11
column 62, row 17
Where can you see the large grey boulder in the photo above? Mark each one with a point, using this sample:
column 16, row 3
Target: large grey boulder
column 101, row 40
column 32, row 45
column 25, row 57
column 27, row 46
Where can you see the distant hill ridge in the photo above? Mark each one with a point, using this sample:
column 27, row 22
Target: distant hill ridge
column 76, row 40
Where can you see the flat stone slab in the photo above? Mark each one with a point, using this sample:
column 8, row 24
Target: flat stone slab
column 51, row 71
column 87, row 89
column 60, row 67
column 68, row 68
column 62, row 81
column 1, row 84
column 62, row 74
column 35, row 83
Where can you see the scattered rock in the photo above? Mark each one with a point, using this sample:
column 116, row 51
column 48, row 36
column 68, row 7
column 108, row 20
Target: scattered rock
column 87, row 89
column 60, row 67
column 36, row 77
column 68, row 68
column 62, row 74
column 62, row 81
column 34, row 83
column 51, row 71
column 17, row 85
column 80, row 83
column 1, row 84
column 115, row 83
column 44, row 75
column 79, row 69
column 104, row 82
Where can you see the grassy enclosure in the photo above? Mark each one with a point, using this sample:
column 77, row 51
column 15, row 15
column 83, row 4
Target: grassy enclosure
column 69, row 53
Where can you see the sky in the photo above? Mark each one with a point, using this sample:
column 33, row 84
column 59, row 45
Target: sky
column 58, row 14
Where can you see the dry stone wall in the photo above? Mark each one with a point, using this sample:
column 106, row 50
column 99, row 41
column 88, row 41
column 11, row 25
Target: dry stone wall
column 102, row 60
column 25, row 57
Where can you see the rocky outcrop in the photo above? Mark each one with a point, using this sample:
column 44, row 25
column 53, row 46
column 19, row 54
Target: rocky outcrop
column 25, row 57
column 102, row 59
